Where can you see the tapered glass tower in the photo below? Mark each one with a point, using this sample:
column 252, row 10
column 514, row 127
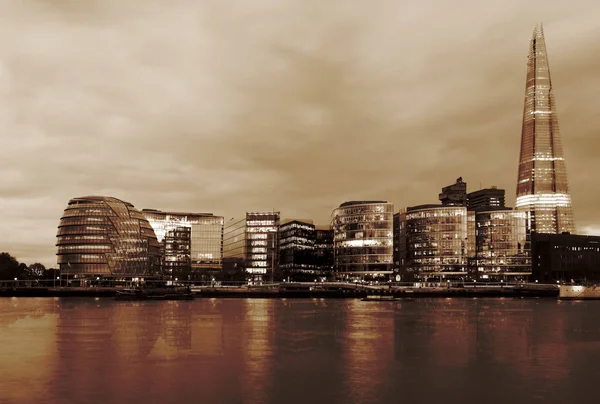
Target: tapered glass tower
column 542, row 188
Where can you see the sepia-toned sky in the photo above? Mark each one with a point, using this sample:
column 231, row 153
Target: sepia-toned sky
column 233, row 106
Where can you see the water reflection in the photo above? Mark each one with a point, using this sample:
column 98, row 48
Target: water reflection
column 298, row 351
column 27, row 348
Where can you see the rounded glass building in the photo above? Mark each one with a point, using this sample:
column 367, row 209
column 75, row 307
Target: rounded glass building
column 363, row 238
column 503, row 248
column 437, row 241
column 104, row 236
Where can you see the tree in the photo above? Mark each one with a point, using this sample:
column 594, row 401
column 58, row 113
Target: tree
column 36, row 270
column 10, row 267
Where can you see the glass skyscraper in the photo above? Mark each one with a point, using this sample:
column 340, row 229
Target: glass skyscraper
column 542, row 188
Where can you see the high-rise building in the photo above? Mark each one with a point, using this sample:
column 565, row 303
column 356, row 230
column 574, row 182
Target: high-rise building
column 100, row 236
column 363, row 239
column 205, row 250
column 486, row 199
column 252, row 244
column 542, row 188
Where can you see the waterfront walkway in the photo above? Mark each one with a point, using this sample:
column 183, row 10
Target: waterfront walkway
column 305, row 289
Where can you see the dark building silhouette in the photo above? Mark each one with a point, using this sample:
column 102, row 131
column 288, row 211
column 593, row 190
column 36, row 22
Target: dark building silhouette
column 565, row 257
column 542, row 188
column 324, row 249
column 486, row 199
column 296, row 249
column 305, row 250
column 455, row 194
column 101, row 236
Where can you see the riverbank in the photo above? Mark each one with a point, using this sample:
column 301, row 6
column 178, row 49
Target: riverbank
column 332, row 291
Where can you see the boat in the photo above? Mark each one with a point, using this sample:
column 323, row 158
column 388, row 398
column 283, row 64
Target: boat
column 165, row 293
column 579, row 292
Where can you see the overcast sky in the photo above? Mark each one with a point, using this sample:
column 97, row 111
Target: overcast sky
column 233, row 106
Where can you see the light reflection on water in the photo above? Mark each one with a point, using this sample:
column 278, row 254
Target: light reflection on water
column 299, row 351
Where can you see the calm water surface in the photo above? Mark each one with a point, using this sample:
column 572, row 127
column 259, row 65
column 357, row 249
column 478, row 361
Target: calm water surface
column 299, row 351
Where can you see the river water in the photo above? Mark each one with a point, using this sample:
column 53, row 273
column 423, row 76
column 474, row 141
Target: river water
column 299, row 351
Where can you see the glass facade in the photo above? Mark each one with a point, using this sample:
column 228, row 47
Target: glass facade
column 503, row 247
column 205, row 244
column 234, row 241
column 363, row 238
column 261, row 244
column 253, row 243
column 104, row 236
column 305, row 251
column 435, row 241
column 542, row 188
column 176, row 256
column 324, row 249
column 296, row 249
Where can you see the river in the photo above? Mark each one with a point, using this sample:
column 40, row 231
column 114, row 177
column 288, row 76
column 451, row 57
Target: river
column 301, row 351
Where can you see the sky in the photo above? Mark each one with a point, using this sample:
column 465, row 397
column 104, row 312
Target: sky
column 234, row 106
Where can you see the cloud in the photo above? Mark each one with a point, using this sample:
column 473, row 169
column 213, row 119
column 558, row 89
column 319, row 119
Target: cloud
column 235, row 106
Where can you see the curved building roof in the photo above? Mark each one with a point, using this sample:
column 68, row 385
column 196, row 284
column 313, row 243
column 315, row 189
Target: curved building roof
column 350, row 203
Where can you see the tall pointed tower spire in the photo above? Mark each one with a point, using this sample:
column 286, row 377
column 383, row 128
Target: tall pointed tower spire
column 542, row 187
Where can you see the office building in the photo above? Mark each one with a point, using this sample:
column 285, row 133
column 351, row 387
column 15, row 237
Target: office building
column 502, row 245
column 455, row 194
column 363, row 238
column 297, row 250
column 542, row 188
column 435, row 242
column 100, row 236
column 565, row 257
column 305, row 250
column 486, row 199
column 176, row 258
column 251, row 245
column 324, row 250
column 205, row 242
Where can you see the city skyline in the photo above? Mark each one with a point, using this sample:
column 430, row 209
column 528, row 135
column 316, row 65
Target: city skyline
column 295, row 116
